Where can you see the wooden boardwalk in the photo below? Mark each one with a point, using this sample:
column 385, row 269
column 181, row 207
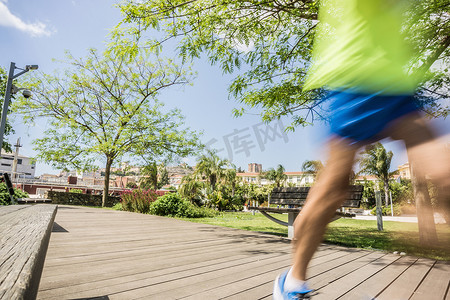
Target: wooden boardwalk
column 104, row 254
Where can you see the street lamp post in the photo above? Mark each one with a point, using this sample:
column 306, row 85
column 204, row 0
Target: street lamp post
column 10, row 89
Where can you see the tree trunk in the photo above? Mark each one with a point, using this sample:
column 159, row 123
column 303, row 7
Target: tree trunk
column 425, row 215
column 386, row 192
column 213, row 180
column 109, row 162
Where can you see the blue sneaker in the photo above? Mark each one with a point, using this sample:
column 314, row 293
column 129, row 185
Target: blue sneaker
column 280, row 294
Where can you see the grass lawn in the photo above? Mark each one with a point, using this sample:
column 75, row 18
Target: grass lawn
column 397, row 236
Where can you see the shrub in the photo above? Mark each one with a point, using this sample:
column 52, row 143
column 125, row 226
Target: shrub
column 138, row 200
column 76, row 191
column 386, row 210
column 4, row 194
column 118, row 206
column 80, row 199
column 173, row 205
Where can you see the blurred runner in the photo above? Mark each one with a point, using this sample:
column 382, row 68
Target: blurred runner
column 361, row 58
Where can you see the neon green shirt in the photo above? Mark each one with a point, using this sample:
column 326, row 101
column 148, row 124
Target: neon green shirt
column 359, row 46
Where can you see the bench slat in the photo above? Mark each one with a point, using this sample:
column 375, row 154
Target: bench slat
column 24, row 236
column 276, row 196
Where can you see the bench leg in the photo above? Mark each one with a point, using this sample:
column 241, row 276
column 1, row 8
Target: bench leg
column 291, row 219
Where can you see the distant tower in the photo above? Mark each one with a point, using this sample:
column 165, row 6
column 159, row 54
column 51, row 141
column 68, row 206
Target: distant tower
column 16, row 155
column 254, row 168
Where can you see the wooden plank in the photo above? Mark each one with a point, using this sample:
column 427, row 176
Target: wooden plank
column 315, row 271
column 241, row 283
column 301, row 189
column 375, row 284
column 274, row 196
column 24, row 244
column 404, row 286
column 435, row 284
column 342, row 285
column 331, row 274
column 122, row 255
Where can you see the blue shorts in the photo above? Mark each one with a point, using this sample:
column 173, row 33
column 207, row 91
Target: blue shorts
column 362, row 117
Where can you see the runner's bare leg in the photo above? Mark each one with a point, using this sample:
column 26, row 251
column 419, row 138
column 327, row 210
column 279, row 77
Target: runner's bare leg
column 324, row 198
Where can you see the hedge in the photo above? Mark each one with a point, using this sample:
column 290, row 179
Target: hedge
column 80, row 199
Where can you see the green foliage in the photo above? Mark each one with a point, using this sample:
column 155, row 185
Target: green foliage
column 375, row 160
column 276, row 175
column 402, row 192
column 368, row 196
column 222, row 199
column 192, row 189
column 4, row 194
column 81, row 199
column 271, row 39
column 312, row 167
column 138, row 200
column 118, row 206
column 211, row 167
column 104, row 107
column 154, row 176
column 131, row 185
column 76, row 191
column 8, row 129
column 386, row 210
column 271, row 42
column 173, row 205
column 252, row 192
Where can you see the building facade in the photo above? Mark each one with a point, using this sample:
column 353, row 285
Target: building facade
column 25, row 166
column 254, row 168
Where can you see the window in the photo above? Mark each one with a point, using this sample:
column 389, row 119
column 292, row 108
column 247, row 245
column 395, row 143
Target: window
column 8, row 165
column 19, row 161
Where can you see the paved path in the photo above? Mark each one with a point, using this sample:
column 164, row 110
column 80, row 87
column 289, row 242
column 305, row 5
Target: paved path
column 104, row 254
column 438, row 219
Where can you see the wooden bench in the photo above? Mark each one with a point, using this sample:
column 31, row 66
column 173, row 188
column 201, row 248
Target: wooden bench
column 24, row 236
column 294, row 198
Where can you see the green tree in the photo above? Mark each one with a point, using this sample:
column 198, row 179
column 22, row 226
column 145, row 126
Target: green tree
column 312, row 167
column 212, row 167
column 231, row 179
column 191, row 188
column 375, row 160
column 276, row 175
column 273, row 41
column 8, row 129
column 154, row 176
column 104, row 107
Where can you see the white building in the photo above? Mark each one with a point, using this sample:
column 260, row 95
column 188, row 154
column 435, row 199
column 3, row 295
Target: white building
column 292, row 178
column 26, row 167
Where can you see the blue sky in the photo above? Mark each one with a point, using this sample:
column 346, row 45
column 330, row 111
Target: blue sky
column 36, row 32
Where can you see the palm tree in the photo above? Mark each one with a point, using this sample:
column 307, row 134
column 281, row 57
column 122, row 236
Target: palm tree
column 191, row 188
column 211, row 167
column 231, row 179
column 376, row 161
column 312, row 167
column 276, row 175
column 154, row 176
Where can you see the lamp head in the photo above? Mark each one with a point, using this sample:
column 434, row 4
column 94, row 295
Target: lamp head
column 31, row 67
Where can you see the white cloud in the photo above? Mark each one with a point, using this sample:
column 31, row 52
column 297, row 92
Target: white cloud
column 9, row 20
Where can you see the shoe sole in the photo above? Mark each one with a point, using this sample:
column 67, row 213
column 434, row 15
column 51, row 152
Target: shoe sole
column 276, row 295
